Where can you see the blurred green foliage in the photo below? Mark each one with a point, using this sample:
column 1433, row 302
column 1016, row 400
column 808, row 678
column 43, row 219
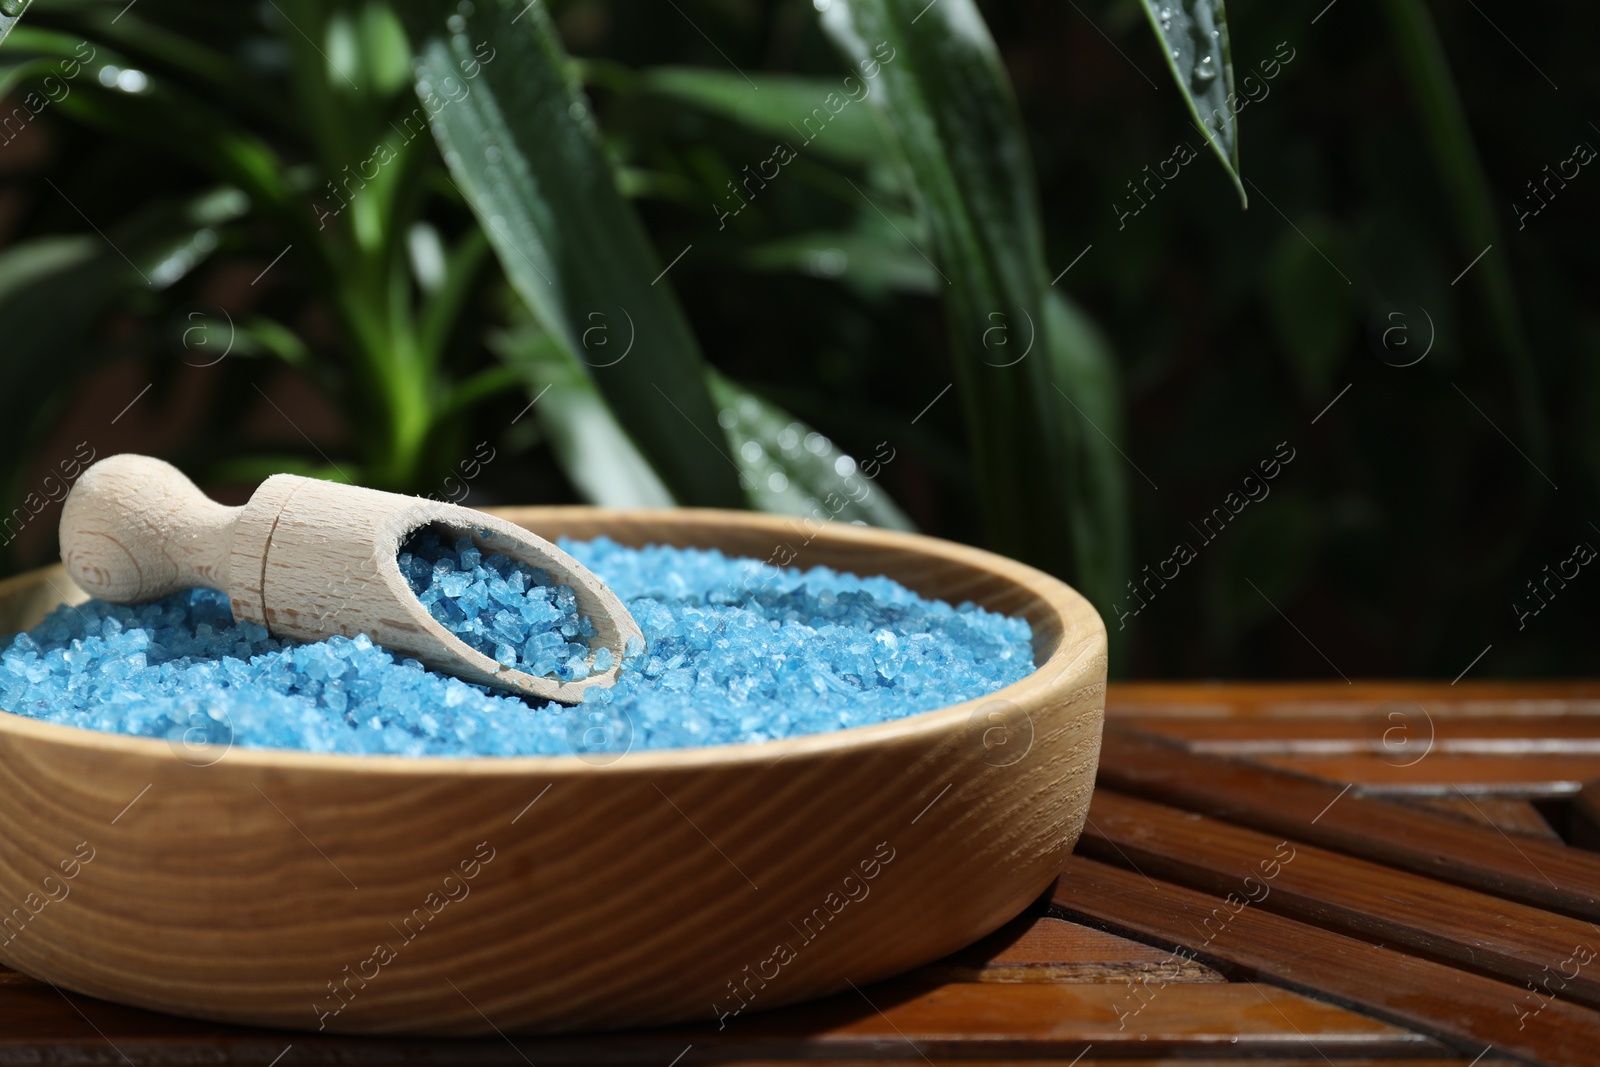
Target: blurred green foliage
column 831, row 329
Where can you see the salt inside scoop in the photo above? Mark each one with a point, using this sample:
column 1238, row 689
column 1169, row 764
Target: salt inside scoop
column 511, row 612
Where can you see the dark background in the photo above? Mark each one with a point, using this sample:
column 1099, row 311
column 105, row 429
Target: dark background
column 1399, row 540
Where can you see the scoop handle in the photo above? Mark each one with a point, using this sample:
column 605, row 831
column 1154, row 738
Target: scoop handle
column 134, row 528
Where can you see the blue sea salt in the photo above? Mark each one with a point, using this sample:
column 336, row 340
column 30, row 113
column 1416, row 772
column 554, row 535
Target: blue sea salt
column 736, row 651
column 505, row 609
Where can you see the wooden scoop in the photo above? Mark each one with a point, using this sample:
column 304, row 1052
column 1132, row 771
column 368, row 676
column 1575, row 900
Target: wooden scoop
column 308, row 559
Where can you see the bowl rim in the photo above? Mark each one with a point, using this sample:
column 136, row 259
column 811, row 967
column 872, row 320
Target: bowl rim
column 1082, row 641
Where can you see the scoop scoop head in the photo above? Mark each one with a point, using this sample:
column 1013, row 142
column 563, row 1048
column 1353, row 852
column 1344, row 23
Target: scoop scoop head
column 308, row 559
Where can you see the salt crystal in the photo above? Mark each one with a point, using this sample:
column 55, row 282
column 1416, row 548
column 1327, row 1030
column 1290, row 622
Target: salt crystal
column 737, row 652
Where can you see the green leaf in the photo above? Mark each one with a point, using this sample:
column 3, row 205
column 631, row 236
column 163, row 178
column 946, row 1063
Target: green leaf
column 789, row 468
column 168, row 117
column 35, row 54
column 522, row 145
column 1468, row 193
column 10, row 13
column 260, row 337
column 149, row 48
column 1087, row 388
column 368, row 47
column 257, row 468
column 822, row 115
column 1194, row 40
column 54, row 292
column 869, row 262
column 593, row 449
column 441, row 309
column 938, row 78
column 25, row 263
column 14, row 76
column 1312, row 319
column 126, row 29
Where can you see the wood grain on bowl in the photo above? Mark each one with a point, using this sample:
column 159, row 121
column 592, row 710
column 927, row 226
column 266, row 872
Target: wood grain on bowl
column 391, row 895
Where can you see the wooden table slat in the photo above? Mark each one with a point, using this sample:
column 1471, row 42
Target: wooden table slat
column 1224, row 700
column 1583, row 818
column 1046, row 949
column 894, row 1020
column 1367, row 900
column 1441, row 774
column 1469, row 1011
column 1508, row 815
column 1534, row 872
column 1398, row 730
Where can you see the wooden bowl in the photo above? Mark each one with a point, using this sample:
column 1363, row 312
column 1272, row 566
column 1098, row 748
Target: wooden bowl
column 380, row 894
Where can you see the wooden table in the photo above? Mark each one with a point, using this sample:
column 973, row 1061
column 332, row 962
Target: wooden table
column 1271, row 874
